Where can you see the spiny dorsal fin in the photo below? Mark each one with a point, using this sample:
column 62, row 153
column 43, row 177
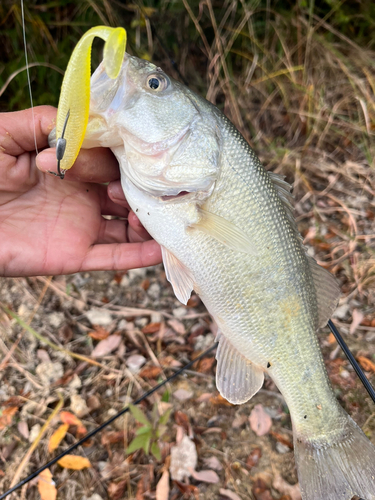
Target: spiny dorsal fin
column 326, row 287
column 237, row 378
column 178, row 275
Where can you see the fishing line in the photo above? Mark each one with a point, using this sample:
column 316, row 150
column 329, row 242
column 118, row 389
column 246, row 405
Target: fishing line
column 28, row 73
column 369, row 388
column 109, row 421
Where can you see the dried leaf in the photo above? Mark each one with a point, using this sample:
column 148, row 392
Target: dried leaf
column 7, row 415
column 212, row 463
column 135, row 362
column 219, row 400
column 229, row 494
column 285, row 488
column 177, row 326
column 68, row 418
column 357, row 317
column 106, row 346
column 182, row 419
column 112, row 437
column 57, row 437
column 151, row 328
column 260, row 490
column 281, row 439
column 254, row 457
column 74, row 462
column 116, row 490
column 260, row 421
column 46, row 486
column 150, row 372
column 205, row 365
column 366, row 364
column 99, row 333
column 206, row 476
column 23, row 429
column 162, row 488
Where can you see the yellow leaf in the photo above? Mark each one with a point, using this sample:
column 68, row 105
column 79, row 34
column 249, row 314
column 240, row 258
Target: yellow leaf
column 74, row 462
column 46, row 486
column 57, row 437
column 366, row 364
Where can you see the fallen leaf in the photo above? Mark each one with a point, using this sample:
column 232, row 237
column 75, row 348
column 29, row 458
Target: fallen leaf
column 106, row 346
column 99, row 333
column 151, row 328
column 68, row 418
column 7, row 415
column 254, row 457
column 206, row 476
column 229, row 494
column 285, row 488
column 74, row 462
column 281, row 439
column 260, row 421
column 116, row 490
column 177, row 326
column 357, row 317
column 366, row 364
column 57, row 437
column 260, row 490
column 205, row 365
column 150, row 372
column 162, row 488
column 212, row 463
column 219, row 400
column 183, row 459
column 112, row 437
column 182, row 419
column 23, row 429
column 46, row 486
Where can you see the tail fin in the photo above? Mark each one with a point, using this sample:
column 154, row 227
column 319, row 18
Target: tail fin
column 339, row 471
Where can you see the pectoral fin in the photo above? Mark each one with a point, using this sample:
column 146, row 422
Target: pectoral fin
column 225, row 232
column 178, row 275
column 237, row 378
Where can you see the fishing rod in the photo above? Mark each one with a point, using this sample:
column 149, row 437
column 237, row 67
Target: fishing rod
column 107, row 422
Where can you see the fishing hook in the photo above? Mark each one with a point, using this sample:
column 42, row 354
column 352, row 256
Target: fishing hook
column 60, row 151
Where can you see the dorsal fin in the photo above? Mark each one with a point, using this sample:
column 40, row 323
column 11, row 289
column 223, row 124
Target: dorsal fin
column 326, row 287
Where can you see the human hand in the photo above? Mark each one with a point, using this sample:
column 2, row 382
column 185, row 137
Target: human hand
column 50, row 226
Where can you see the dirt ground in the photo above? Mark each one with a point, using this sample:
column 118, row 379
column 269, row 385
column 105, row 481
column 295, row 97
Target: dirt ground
column 145, row 334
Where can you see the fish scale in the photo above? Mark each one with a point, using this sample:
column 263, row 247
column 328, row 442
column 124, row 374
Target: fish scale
column 226, row 230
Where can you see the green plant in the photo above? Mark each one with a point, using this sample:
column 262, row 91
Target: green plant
column 147, row 436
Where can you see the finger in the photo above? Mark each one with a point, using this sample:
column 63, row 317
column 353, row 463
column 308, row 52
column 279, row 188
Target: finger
column 116, row 193
column 122, row 256
column 109, row 207
column 92, row 165
column 136, row 231
column 20, row 130
column 112, row 231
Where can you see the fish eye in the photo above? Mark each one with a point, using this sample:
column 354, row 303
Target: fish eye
column 157, row 82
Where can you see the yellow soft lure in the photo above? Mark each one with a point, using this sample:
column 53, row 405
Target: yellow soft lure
column 74, row 103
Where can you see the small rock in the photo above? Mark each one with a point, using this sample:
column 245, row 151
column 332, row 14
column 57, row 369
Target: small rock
column 182, row 394
column 93, row 402
column 23, row 429
column 154, row 291
column 122, row 324
column 282, row 448
column 133, row 274
column 156, row 317
column 100, row 317
column 43, row 356
column 78, row 405
column 141, row 322
column 341, row 312
column 56, row 319
column 34, row 432
column 75, row 383
column 49, row 372
column 203, row 342
column 135, row 362
column 125, row 281
column 179, row 312
column 183, row 459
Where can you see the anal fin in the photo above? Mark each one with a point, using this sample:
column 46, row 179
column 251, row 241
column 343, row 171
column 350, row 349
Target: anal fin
column 178, row 275
column 237, row 378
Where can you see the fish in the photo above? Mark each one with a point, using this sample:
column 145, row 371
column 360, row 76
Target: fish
column 227, row 231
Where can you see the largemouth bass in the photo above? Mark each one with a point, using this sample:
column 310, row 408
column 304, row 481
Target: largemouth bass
column 227, row 231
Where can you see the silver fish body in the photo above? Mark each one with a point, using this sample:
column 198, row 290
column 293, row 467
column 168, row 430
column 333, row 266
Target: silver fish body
column 227, row 231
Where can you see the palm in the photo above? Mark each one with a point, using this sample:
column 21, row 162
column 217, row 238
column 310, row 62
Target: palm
column 54, row 226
